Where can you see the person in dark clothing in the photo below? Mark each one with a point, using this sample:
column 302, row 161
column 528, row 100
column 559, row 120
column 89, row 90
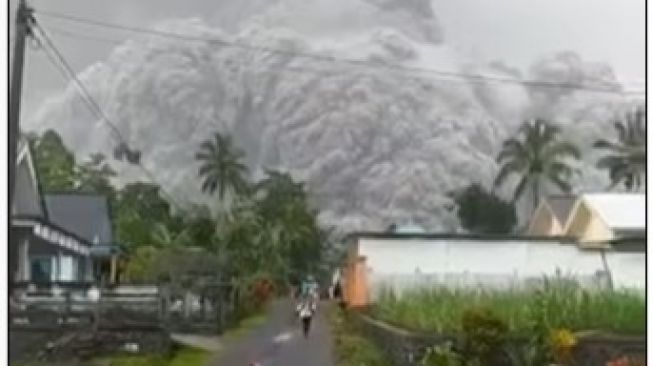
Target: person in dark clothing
column 337, row 291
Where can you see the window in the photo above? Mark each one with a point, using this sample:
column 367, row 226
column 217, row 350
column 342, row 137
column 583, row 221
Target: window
column 68, row 268
column 42, row 269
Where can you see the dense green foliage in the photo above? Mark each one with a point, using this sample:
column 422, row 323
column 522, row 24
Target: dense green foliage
column 626, row 159
column 483, row 212
column 54, row 162
column 537, row 157
column 482, row 342
column 350, row 347
column 562, row 304
column 269, row 230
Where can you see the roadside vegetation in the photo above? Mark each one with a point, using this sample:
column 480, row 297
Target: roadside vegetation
column 537, row 326
column 187, row 356
column 562, row 303
column 249, row 231
column 350, row 347
column 181, row 356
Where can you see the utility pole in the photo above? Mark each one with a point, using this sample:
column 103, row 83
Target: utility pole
column 24, row 20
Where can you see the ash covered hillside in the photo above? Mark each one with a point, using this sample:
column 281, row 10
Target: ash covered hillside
column 375, row 144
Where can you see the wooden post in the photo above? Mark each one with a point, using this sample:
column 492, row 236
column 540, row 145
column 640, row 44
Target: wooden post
column 24, row 20
column 24, row 269
column 187, row 304
column 163, row 304
column 112, row 274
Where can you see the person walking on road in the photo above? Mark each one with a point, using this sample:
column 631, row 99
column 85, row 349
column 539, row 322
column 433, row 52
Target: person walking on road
column 306, row 311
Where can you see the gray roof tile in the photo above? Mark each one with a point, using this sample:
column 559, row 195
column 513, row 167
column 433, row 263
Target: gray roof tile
column 86, row 215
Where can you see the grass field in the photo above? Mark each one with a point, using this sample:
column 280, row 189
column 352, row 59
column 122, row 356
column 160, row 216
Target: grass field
column 562, row 305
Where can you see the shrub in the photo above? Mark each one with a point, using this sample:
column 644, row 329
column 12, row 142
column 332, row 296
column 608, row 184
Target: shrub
column 350, row 346
column 484, row 335
column 562, row 343
column 442, row 355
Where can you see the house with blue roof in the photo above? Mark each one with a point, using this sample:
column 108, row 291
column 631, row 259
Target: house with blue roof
column 57, row 237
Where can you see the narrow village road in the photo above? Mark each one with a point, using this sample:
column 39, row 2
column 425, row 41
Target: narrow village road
column 280, row 342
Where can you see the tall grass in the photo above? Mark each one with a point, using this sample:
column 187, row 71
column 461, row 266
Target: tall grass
column 562, row 303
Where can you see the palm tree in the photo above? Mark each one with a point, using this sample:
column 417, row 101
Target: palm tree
column 537, row 158
column 220, row 166
column 626, row 161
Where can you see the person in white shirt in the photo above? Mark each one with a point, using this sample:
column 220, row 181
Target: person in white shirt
column 306, row 310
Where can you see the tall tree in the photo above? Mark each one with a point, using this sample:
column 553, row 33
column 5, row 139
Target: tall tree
column 54, row 162
column 95, row 176
column 276, row 190
column 220, row 166
column 483, row 212
column 537, row 157
column 139, row 207
column 626, row 158
column 197, row 222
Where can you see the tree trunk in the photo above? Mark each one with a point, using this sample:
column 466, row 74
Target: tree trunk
column 536, row 193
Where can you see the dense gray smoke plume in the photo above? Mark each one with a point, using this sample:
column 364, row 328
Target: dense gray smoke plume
column 376, row 145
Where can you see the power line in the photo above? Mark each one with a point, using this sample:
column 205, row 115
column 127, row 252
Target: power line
column 70, row 34
column 71, row 74
column 63, row 66
column 332, row 59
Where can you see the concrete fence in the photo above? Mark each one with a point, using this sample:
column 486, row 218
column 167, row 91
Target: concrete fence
column 400, row 263
column 65, row 321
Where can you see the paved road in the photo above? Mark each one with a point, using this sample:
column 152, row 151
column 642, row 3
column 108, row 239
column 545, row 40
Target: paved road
column 280, row 342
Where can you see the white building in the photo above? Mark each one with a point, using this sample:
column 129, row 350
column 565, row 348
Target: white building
column 408, row 260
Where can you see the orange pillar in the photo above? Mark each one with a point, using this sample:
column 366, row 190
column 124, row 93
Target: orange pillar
column 346, row 285
column 360, row 290
column 350, row 282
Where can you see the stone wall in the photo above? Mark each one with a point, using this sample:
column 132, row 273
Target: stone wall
column 406, row 348
column 51, row 346
column 403, row 347
column 597, row 349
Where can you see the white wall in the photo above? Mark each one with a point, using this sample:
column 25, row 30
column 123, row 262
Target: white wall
column 408, row 263
column 628, row 269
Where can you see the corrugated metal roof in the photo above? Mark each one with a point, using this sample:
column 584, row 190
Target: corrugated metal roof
column 86, row 215
column 410, row 229
column 619, row 210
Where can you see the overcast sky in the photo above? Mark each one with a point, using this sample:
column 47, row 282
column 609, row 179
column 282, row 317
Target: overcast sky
column 515, row 31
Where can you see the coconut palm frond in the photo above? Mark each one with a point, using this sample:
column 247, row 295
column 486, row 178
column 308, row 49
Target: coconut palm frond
column 521, row 188
column 561, row 150
column 221, row 168
column 535, row 154
column 626, row 157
